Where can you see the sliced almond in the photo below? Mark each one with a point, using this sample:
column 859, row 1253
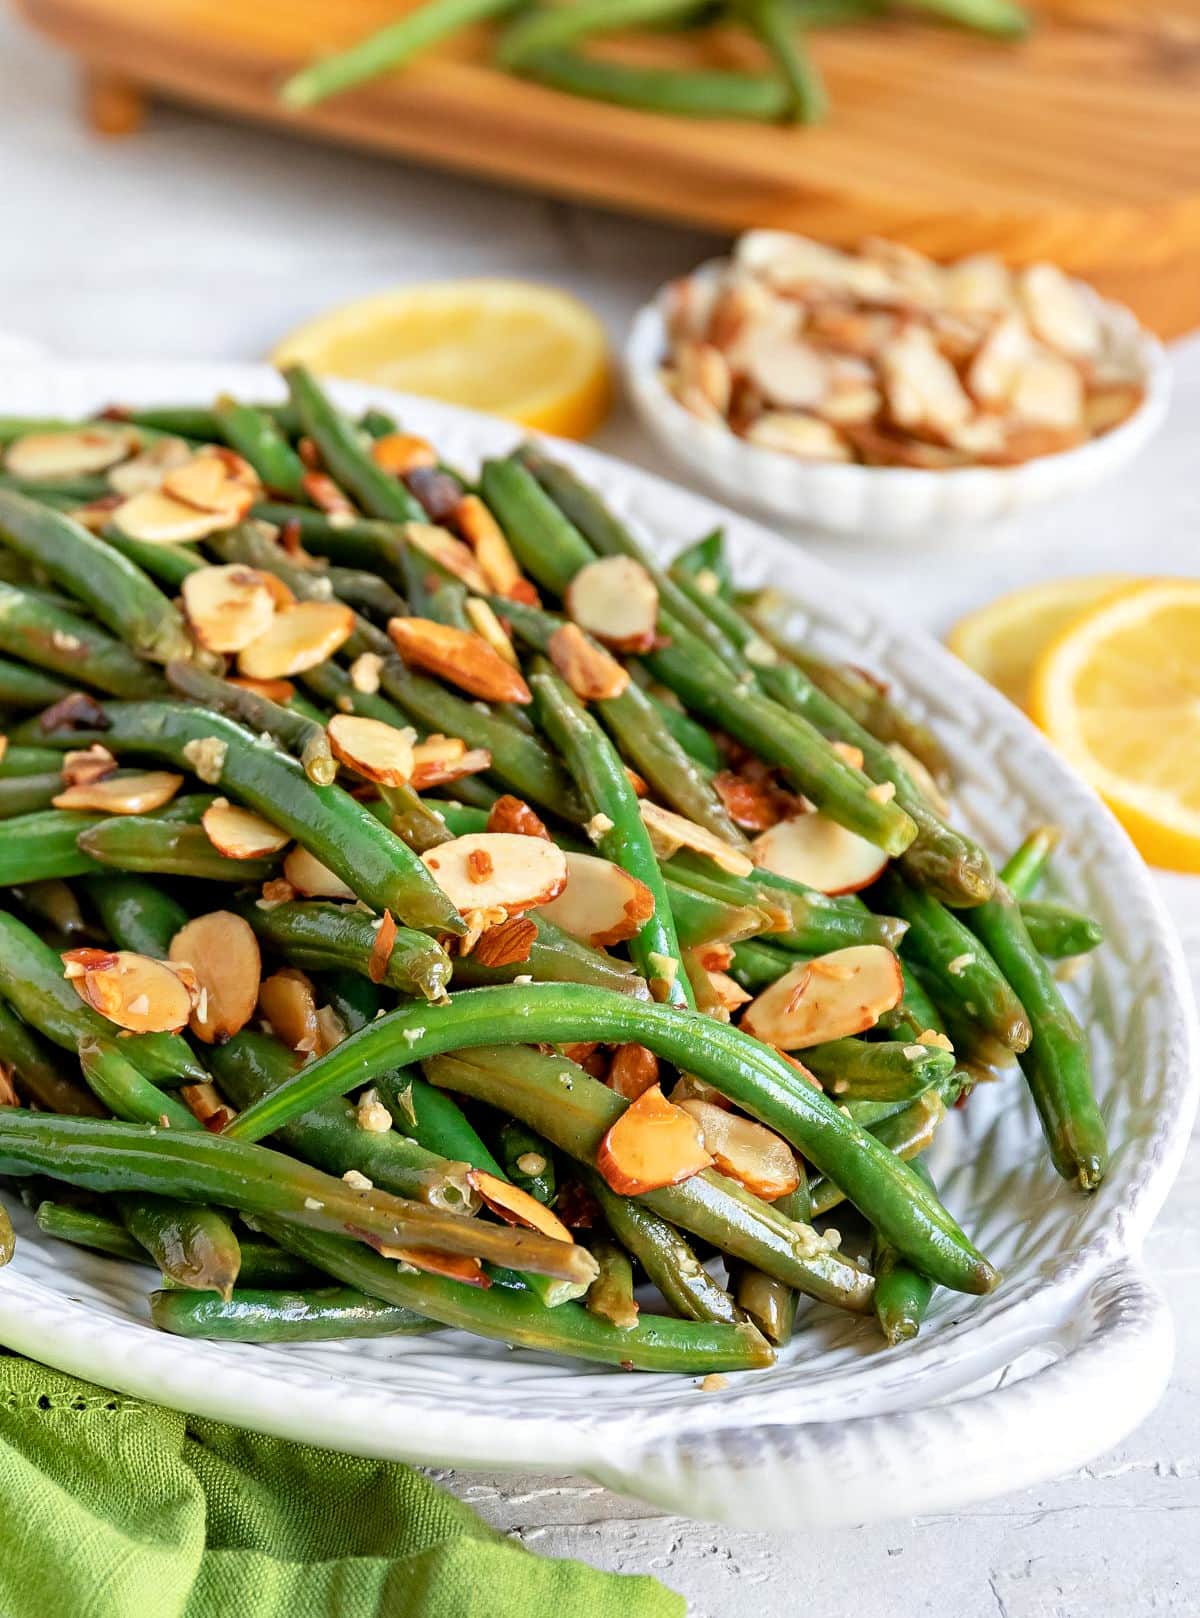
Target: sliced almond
column 326, row 495
column 703, row 368
column 217, row 481
column 315, row 881
column 1047, row 391
column 207, row 1105
column 485, row 624
column 492, row 553
column 515, row 1206
column 787, row 371
column 815, row 850
column 378, row 751
column 399, row 453
column 331, row 1030
column 980, row 284
column 459, row 1267
column 832, row 997
column 1060, row 312
column 300, row 638
column 514, row 815
column 80, row 768
column 633, row 1071
column 616, row 600
column 435, row 765
column 923, row 392
column 287, row 1001
column 133, row 991
column 1108, row 404
column 746, row 1151
column 381, row 949
column 652, row 1144
column 239, row 833
column 592, row 673
column 993, row 371
column 155, row 518
column 525, row 871
column 670, row 832
column 227, row 607
column 601, row 904
column 506, row 943
column 130, row 794
column 753, row 803
column 441, row 546
column 148, row 469
column 280, row 691
column 222, row 951
column 808, row 438
column 719, row 995
column 459, row 656
column 71, row 454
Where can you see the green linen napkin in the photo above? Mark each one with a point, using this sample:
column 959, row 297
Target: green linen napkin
column 112, row 1508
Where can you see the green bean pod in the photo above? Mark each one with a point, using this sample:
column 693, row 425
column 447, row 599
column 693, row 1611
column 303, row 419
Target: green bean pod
column 316, row 1315
column 1058, row 932
column 905, row 1132
column 344, row 454
column 767, row 1302
column 116, row 1082
column 28, row 795
column 193, row 1247
column 169, row 564
column 610, row 1295
column 157, row 847
column 555, row 957
column 301, row 736
column 53, row 638
column 868, row 1070
column 44, row 844
column 136, row 914
column 527, row 1160
column 23, row 687
column 1026, row 865
column 16, row 761
column 38, row 1075
column 84, row 1228
column 322, row 935
column 902, row 1293
column 257, row 439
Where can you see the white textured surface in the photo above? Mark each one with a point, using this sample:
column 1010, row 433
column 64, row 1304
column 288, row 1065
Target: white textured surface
column 201, row 241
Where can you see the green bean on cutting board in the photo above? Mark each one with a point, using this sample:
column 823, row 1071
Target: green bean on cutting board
column 481, row 959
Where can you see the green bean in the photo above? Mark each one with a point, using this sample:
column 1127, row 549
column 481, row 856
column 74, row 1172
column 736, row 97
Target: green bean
column 169, row 564
column 258, row 440
column 116, row 1082
column 367, row 592
column 15, row 761
column 757, row 963
column 136, row 914
column 905, row 1133
column 700, row 919
column 31, row 979
column 52, row 638
column 164, row 848
column 707, row 558
column 392, row 47
column 193, row 1247
column 322, row 935
column 266, row 1265
column 863, row 1070
column 916, row 1014
column 559, row 1100
column 1026, row 865
column 56, row 491
column 292, row 731
column 778, row 28
column 769, row 1304
column 691, row 736
column 114, row 588
column 902, row 1293
column 954, row 963
column 343, row 835
column 177, row 421
column 609, row 794
column 23, row 687
column 1056, row 1065
column 362, row 542
column 527, row 1160
column 28, row 795
column 671, row 91
column 118, row 1157
column 556, row 957
column 342, row 450
column 665, row 1255
column 84, row 1228
column 44, row 844
column 656, row 1343
column 1058, row 932
column 37, row 1073
column 610, row 1295
column 1004, row 18
column 538, row 31
column 316, row 1315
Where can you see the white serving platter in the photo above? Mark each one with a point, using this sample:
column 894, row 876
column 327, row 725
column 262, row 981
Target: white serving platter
column 1068, row 1355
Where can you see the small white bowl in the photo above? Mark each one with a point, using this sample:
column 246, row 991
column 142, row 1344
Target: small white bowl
column 883, row 503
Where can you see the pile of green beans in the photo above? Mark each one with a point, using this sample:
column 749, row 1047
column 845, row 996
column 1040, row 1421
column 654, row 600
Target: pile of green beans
column 396, row 1127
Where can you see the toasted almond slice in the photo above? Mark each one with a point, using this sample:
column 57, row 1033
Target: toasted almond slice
column 441, row 545
column 71, row 454
column 506, row 943
column 433, row 767
column 616, row 600
column 331, row 1030
column 633, row 1071
column 326, row 495
column 755, row 1156
column 215, row 480
column 525, row 871
column 133, row 991
column 652, row 1144
column 227, row 607
column 287, row 1001
column 459, row 1267
column 239, row 833
column 670, row 832
column 154, row 517
column 485, row 623
column 222, row 951
column 130, row 794
column 815, row 850
column 786, row 370
column 980, row 284
column 1059, row 311
column 993, row 371
column 515, row 815
column 832, row 997
column 94, row 763
column 726, row 992
column 378, row 751
column 207, row 1105
column 381, row 949
column 281, row 691
column 491, row 549
column 299, row 638
column 517, row 1207
column 399, row 453
column 601, row 904
column 148, row 469
column 458, row 656
column 592, row 673
column 922, row 387
column 754, row 804
column 1108, row 404
column 808, row 438
column 314, row 880
column 1047, row 391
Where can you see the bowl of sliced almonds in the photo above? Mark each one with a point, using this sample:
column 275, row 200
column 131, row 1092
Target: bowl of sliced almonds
column 881, row 394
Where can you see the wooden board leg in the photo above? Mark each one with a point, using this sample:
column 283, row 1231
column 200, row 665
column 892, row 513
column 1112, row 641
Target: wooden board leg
column 112, row 105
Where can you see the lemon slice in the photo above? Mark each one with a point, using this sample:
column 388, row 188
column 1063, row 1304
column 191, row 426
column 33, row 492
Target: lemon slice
column 1004, row 640
column 529, row 353
column 1118, row 692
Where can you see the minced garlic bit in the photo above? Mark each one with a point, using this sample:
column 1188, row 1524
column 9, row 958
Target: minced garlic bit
column 833, row 1238
column 882, row 792
column 371, row 1114
column 597, row 826
column 934, row 1036
column 313, row 1205
column 523, row 977
column 65, row 642
column 412, row 1035
column 707, row 582
column 206, row 755
column 760, row 652
column 365, row 671
column 531, row 1163
column 960, row 963
column 713, row 1382
column 915, row 1053
column 357, row 1181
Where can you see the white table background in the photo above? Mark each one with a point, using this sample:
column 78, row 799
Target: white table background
column 203, row 240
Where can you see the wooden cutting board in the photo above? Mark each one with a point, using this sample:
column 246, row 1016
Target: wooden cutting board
column 1081, row 144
